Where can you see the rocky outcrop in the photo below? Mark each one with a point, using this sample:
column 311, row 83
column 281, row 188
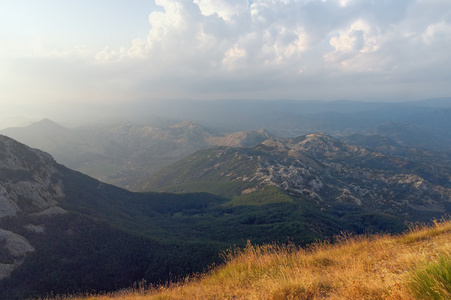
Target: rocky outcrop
column 324, row 166
column 27, row 181
column 29, row 185
column 17, row 247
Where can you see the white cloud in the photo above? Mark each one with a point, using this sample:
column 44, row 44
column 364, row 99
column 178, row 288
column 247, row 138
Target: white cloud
column 266, row 48
column 233, row 55
column 188, row 32
column 358, row 37
column 356, row 48
column 437, row 32
column 226, row 10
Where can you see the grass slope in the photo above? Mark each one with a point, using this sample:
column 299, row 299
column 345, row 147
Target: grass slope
column 414, row 265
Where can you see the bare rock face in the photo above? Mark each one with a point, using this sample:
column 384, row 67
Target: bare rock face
column 16, row 244
column 17, row 247
column 27, row 182
column 28, row 185
column 7, row 205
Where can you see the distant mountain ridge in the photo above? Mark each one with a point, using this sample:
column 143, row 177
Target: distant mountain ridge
column 124, row 152
column 321, row 168
column 289, row 118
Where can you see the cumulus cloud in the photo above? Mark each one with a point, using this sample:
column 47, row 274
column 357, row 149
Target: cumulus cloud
column 216, row 31
column 226, row 10
column 325, row 49
column 273, row 32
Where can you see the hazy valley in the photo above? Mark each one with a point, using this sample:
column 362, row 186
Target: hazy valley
column 122, row 152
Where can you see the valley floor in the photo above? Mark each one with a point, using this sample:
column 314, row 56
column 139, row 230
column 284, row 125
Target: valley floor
column 354, row 267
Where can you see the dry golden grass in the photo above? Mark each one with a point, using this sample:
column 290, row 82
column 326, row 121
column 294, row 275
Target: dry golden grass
column 360, row 267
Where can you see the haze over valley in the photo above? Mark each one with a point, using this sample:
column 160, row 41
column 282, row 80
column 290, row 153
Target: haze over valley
column 122, row 152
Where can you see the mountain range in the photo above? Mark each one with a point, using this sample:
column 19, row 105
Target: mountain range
column 82, row 234
column 124, row 152
column 320, row 168
column 201, row 190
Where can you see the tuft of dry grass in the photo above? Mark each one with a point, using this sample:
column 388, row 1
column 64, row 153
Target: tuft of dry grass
column 353, row 267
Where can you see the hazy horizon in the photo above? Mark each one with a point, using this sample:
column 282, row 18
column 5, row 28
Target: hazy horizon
column 83, row 58
column 178, row 110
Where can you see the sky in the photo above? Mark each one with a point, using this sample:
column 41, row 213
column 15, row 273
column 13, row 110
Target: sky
column 64, row 54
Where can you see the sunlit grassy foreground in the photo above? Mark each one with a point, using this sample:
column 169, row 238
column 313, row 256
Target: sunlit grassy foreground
column 362, row 267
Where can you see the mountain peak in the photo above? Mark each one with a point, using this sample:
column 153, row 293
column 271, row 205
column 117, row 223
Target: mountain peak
column 186, row 124
column 318, row 138
column 319, row 135
column 46, row 123
column 264, row 132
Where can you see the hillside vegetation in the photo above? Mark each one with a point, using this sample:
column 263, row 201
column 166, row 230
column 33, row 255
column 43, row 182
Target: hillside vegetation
column 414, row 265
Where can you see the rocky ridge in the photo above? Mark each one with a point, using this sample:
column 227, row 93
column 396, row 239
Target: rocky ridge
column 27, row 187
column 355, row 175
column 325, row 170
